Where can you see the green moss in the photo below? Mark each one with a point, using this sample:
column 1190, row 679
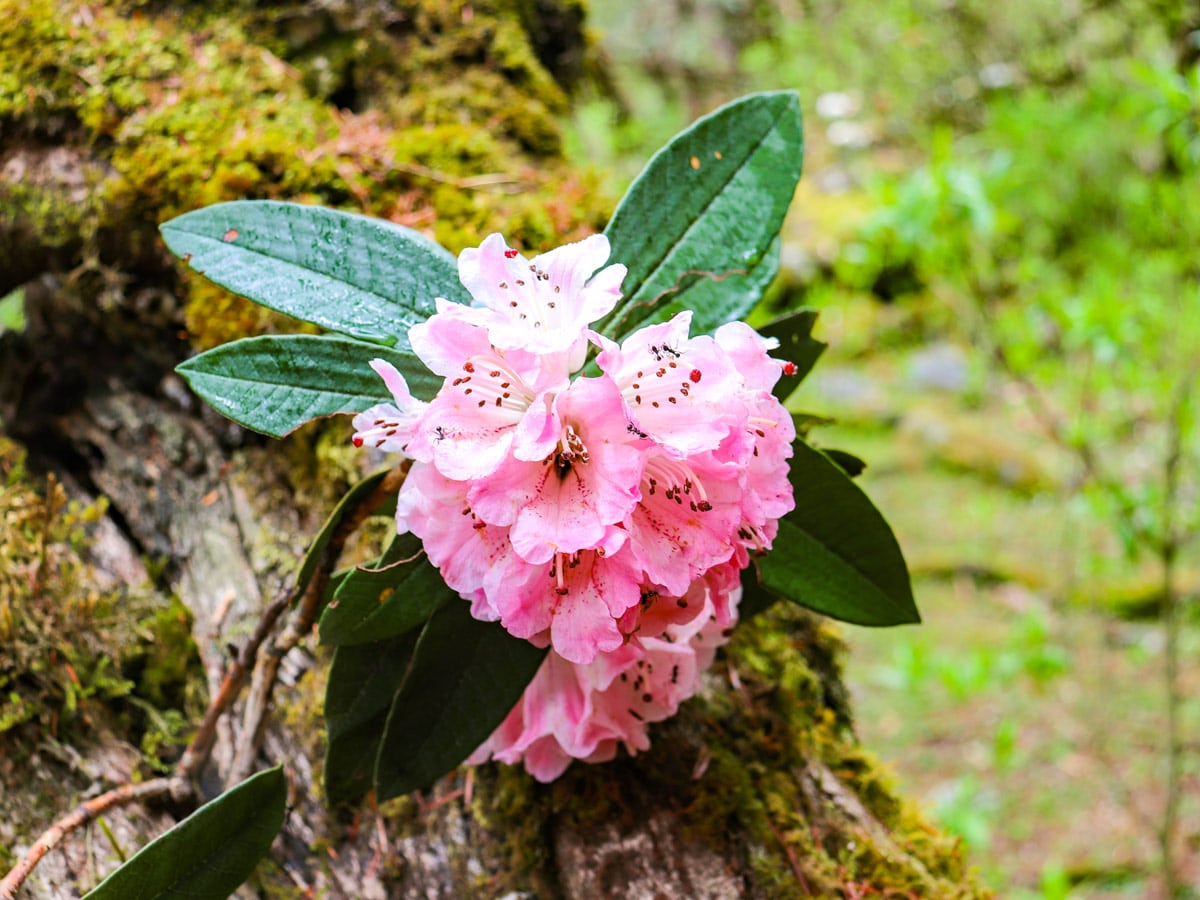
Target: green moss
column 796, row 736
column 57, row 630
column 513, row 808
column 456, row 132
column 75, row 654
column 786, row 788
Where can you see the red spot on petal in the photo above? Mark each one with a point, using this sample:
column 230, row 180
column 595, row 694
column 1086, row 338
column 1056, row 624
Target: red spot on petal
column 510, row 254
column 358, row 441
column 230, row 236
column 789, row 368
column 695, row 376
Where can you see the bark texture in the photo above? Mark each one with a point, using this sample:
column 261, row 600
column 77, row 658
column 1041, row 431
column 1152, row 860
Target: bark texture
column 440, row 115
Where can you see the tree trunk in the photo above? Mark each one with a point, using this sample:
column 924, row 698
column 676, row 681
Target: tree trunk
column 111, row 122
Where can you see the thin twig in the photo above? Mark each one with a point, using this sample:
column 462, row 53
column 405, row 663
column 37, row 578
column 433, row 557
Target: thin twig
column 84, row 813
column 1168, row 550
column 675, row 288
column 791, row 858
column 1052, row 421
column 196, row 754
column 300, row 624
column 470, row 182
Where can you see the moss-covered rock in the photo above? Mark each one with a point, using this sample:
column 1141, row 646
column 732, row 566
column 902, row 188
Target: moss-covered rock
column 757, row 788
column 83, row 658
column 452, row 128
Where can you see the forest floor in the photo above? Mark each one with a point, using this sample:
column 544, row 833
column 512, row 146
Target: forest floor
column 1027, row 713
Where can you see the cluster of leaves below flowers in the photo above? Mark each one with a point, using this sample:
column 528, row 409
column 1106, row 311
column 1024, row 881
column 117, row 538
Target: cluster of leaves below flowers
column 607, row 516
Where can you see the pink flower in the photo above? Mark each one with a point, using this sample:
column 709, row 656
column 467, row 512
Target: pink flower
column 567, row 496
column 588, row 711
column 681, row 391
column 490, row 404
column 685, row 520
column 463, row 548
column 384, row 426
column 576, row 600
column 543, row 305
column 605, row 516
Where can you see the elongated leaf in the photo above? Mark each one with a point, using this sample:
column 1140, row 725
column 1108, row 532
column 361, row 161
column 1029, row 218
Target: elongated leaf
column 834, row 552
column 849, row 463
column 363, row 277
column 275, row 383
column 466, row 676
column 211, row 852
column 796, row 345
column 755, row 598
column 349, row 502
column 398, row 593
column 363, row 681
column 696, row 227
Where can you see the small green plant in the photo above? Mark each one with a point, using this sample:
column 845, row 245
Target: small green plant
column 967, row 807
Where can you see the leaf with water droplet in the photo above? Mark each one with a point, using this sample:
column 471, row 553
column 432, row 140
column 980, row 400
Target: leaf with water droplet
column 273, row 384
column 363, row 277
column 705, row 237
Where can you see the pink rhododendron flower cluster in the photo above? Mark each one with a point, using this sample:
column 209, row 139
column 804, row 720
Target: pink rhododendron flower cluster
column 605, row 515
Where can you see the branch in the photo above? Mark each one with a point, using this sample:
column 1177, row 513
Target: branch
column 1168, row 552
column 254, row 718
column 196, row 754
column 678, row 287
column 84, row 813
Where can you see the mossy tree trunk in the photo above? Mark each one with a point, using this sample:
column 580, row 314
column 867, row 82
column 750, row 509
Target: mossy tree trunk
column 436, row 114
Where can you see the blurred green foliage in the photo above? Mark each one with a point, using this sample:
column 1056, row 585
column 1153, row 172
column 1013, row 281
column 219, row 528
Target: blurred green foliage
column 12, row 312
column 1030, row 168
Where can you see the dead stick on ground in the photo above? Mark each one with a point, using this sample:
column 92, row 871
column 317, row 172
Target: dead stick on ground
column 178, row 785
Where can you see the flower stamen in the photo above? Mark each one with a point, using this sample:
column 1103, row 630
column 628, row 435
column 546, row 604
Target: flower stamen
column 679, row 481
column 493, row 381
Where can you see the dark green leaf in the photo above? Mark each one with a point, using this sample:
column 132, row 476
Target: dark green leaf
column 347, row 273
column 806, row 422
column 697, row 227
column 849, row 463
column 363, row 681
column 349, row 502
column 755, row 598
column 275, row 383
column 335, row 581
column 796, row 345
column 211, row 852
column 397, row 593
column 466, row 676
column 834, row 552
